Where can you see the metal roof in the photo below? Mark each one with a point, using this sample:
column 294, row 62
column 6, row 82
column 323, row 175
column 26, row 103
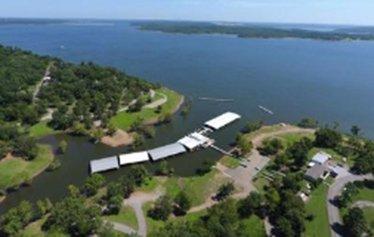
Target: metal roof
column 222, row 120
column 104, row 164
column 134, row 157
column 166, row 151
column 321, row 157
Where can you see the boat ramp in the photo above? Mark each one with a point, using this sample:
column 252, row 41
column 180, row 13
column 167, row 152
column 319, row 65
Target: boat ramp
column 189, row 143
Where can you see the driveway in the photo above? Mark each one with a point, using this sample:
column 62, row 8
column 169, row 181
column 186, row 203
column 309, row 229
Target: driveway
column 332, row 208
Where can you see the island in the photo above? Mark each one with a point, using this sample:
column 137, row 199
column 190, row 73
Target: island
column 43, row 95
column 253, row 31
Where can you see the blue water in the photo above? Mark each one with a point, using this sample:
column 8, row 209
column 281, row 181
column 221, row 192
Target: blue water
column 330, row 81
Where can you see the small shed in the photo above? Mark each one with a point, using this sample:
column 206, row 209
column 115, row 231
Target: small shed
column 222, row 120
column 132, row 158
column 104, row 164
column 166, row 151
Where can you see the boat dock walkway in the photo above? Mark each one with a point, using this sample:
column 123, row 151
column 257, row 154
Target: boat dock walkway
column 220, row 150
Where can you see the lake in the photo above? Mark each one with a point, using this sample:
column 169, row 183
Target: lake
column 330, row 81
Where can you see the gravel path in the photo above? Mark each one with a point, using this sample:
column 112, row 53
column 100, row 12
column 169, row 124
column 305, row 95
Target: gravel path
column 363, row 204
column 136, row 201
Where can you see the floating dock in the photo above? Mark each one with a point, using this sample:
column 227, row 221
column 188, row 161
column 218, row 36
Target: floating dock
column 191, row 142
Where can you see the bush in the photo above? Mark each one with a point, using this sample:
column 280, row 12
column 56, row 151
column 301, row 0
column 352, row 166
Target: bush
column 252, row 126
column 270, row 147
column 56, row 163
column 62, row 146
column 225, row 191
column 327, row 138
column 162, row 209
column 308, row 123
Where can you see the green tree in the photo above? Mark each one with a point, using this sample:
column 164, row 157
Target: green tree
column 271, row 147
column 355, row 130
column 162, row 209
column 355, row 223
column 92, row 184
column 327, row 138
column 224, row 191
column 183, row 202
column 62, row 146
column 252, row 126
column 308, row 123
column 252, row 203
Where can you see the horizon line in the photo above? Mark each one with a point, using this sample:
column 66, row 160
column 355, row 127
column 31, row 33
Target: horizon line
column 181, row 20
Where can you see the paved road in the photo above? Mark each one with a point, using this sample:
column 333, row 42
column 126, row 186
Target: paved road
column 332, row 208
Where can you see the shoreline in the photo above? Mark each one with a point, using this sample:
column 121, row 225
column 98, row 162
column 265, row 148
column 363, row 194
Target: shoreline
column 29, row 180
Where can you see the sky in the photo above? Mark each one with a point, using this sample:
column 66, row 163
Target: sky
column 353, row 12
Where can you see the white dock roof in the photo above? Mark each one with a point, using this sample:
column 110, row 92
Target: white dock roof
column 189, row 142
column 166, row 151
column 104, row 164
column 222, row 120
column 133, row 158
column 193, row 140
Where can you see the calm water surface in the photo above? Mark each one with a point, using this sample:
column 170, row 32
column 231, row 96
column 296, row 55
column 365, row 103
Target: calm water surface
column 330, row 81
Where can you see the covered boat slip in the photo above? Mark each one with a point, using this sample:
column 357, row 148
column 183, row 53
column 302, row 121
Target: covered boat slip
column 166, row 151
column 190, row 143
column 222, row 120
column 132, row 158
column 104, row 164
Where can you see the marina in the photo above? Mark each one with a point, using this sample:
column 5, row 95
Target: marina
column 189, row 143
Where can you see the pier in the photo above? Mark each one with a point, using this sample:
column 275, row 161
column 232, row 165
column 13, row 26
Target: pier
column 189, row 143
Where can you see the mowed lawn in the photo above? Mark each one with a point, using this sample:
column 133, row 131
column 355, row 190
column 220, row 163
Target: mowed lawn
column 15, row 171
column 369, row 217
column 198, row 188
column 125, row 216
column 316, row 206
column 124, row 120
column 41, row 129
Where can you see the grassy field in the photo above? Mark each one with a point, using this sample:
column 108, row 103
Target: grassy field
column 34, row 230
column 41, row 129
column 369, row 216
column 364, row 194
column 199, row 188
column 15, row 171
column 125, row 216
column 254, row 226
column 124, row 120
column 316, row 205
column 229, row 162
column 290, row 138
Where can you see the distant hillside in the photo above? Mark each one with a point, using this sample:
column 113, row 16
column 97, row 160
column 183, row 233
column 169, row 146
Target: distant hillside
column 250, row 31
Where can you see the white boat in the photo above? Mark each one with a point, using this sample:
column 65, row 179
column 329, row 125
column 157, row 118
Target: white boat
column 265, row 109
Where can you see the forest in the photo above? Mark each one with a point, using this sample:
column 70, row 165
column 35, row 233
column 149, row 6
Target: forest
column 75, row 95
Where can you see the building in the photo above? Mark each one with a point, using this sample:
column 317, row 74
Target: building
column 166, row 151
column 132, row 158
column 104, row 164
column 222, row 120
column 316, row 172
column 321, row 158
